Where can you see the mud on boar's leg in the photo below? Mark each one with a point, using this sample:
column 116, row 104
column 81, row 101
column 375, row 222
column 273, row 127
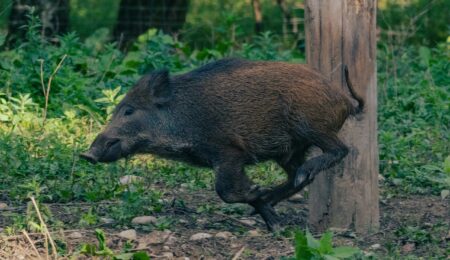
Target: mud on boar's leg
column 233, row 186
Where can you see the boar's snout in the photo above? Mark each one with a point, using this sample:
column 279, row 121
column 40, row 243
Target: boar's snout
column 88, row 156
column 103, row 149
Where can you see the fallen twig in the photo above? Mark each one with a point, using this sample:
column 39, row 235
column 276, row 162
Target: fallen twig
column 238, row 254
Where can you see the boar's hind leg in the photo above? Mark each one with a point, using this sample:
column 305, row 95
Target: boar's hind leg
column 287, row 189
column 233, row 186
column 333, row 152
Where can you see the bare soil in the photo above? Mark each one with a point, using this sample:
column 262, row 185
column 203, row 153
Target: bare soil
column 249, row 237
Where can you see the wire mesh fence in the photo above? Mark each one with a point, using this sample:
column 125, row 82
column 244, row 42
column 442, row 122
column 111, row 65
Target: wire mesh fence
column 199, row 20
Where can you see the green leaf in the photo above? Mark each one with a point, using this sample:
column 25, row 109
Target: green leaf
column 101, row 239
column 326, row 244
column 424, row 54
column 312, row 242
column 330, row 257
column 88, row 249
column 133, row 256
column 345, row 251
column 447, row 165
column 302, row 251
column 141, row 256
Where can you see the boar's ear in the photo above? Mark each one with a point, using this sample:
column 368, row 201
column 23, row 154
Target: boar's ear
column 159, row 85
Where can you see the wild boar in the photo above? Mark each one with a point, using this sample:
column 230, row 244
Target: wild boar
column 232, row 113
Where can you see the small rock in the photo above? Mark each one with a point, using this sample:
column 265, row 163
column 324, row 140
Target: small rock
column 249, row 222
column 409, row 247
column 202, row 221
column 171, row 240
column 169, row 255
column 184, row 185
column 200, row 236
column 375, row 246
column 3, row 206
column 254, row 233
column 129, row 234
column 107, row 220
column 182, row 258
column 143, row 220
column 337, row 230
column 296, row 198
column 445, row 194
column 75, row 235
column 155, row 237
column 233, row 245
column 166, row 248
column 130, row 179
column 183, row 221
column 224, row 235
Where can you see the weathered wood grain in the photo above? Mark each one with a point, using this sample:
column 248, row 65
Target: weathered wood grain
column 343, row 32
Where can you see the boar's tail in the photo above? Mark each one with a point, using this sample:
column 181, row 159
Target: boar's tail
column 355, row 95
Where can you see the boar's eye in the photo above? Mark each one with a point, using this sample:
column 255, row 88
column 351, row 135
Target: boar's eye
column 128, row 111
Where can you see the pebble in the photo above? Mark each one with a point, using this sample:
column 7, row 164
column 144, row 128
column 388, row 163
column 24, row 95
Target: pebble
column 250, row 222
column 183, row 221
column 157, row 237
column 200, row 236
column 171, row 240
column 254, row 233
column 75, row 235
column 224, row 235
column 166, row 248
column 169, row 255
column 129, row 234
column 143, row 220
column 129, row 179
column 409, row 247
column 107, row 220
column 202, row 221
column 375, row 246
column 3, row 206
column 296, row 198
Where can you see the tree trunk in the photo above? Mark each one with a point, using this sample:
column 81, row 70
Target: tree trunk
column 337, row 33
column 258, row 16
column 137, row 16
column 54, row 16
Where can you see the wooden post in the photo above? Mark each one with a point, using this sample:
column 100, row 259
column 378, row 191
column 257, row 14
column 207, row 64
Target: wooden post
column 342, row 32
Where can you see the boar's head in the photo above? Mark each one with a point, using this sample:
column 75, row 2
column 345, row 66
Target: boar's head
column 137, row 121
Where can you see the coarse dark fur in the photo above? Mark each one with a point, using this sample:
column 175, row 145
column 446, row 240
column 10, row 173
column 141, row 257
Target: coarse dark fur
column 232, row 113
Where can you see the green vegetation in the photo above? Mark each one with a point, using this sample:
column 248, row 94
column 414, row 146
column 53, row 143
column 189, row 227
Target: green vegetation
column 309, row 248
column 414, row 117
column 54, row 99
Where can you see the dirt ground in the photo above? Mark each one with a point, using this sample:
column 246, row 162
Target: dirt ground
column 236, row 233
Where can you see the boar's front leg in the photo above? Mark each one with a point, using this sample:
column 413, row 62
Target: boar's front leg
column 233, row 186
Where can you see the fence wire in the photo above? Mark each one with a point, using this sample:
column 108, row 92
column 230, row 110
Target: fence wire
column 127, row 19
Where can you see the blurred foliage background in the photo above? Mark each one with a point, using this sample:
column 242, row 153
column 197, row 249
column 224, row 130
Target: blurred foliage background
column 425, row 22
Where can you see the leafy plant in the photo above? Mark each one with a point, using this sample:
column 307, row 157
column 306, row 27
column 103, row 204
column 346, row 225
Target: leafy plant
column 309, row 248
column 103, row 250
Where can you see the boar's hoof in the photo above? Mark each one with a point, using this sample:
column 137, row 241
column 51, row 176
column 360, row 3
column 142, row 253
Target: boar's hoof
column 302, row 178
column 268, row 214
